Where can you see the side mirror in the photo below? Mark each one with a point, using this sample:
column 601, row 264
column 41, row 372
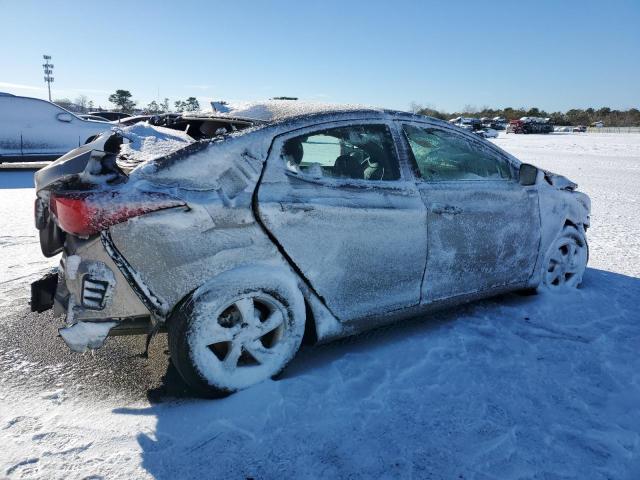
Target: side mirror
column 64, row 117
column 528, row 174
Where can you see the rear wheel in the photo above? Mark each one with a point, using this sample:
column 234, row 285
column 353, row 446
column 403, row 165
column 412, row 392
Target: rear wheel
column 240, row 329
column 566, row 260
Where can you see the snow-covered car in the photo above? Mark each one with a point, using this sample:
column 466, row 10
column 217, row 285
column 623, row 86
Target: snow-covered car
column 310, row 220
column 111, row 116
column 487, row 133
column 32, row 129
column 95, row 118
column 467, row 123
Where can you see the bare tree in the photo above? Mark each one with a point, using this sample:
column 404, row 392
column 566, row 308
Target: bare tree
column 64, row 103
column 81, row 103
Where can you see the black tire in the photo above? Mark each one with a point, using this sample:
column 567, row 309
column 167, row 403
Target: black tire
column 214, row 311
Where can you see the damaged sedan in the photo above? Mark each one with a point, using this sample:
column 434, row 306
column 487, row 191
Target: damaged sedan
column 283, row 220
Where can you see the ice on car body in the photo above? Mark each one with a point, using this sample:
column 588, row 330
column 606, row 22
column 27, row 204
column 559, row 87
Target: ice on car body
column 373, row 215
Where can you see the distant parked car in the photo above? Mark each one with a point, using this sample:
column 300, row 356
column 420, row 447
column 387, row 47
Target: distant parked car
column 32, row 129
column 111, row 116
column 95, row 118
column 580, row 129
column 488, row 133
column 468, row 123
column 530, row 125
column 327, row 220
column 197, row 125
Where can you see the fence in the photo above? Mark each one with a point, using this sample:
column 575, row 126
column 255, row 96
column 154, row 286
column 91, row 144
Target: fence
column 613, row 130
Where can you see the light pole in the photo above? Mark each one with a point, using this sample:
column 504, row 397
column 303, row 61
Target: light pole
column 48, row 71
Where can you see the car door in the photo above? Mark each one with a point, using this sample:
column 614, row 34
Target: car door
column 10, row 140
column 48, row 131
column 334, row 199
column 483, row 226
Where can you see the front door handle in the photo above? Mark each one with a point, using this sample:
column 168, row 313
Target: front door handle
column 441, row 209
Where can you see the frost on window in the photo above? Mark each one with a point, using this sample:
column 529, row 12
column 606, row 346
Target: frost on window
column 361, row 152
column 447, row 156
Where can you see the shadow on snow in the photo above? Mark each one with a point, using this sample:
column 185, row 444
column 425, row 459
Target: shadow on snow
column 537, row 386
column 16, row 178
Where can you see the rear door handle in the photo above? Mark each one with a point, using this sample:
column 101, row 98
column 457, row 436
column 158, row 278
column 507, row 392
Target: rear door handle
column 440, row 209
column 296, row 207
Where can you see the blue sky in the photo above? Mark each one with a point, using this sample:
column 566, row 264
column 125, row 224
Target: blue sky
column 550, row 54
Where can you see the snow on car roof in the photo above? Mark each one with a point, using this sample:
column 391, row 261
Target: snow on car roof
column 272, row 111
column 146, row 142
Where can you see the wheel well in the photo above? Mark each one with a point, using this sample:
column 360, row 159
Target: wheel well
column 310, row 336
column 310, row 332
column 579, row 226
column 179, row 304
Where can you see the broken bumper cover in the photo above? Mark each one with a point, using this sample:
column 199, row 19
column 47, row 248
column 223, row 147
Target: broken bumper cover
column 83, row 336
column 91, row 291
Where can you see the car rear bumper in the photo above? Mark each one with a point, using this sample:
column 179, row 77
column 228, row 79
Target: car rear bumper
column 88, row 287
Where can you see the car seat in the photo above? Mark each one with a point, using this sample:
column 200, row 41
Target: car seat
column 377, row 167
column 347, row 166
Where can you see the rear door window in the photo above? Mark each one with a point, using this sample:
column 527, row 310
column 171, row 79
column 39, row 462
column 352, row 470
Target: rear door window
column 359, row 152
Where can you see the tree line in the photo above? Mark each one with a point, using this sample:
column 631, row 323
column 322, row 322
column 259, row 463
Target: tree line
column 123, row 102
column 575, row 116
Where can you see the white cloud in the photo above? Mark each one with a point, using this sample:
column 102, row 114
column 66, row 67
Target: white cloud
column 18, row 86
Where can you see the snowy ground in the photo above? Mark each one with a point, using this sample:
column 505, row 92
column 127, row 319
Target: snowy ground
column 514, row 387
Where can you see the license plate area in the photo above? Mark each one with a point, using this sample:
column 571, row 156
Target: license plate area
column 43, row 292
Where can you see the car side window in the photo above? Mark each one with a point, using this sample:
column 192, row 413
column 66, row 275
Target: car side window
column 361, row 152
column 443, row 156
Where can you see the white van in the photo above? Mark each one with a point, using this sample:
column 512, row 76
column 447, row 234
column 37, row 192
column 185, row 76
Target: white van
column 32, row 129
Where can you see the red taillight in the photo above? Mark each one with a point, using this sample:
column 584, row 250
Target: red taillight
column 87, row 213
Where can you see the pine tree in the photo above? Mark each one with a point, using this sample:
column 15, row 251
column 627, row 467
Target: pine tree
column 122, row 99
column 153, row 107
column 192, row 105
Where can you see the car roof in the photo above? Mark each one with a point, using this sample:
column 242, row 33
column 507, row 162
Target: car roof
column 279, row 111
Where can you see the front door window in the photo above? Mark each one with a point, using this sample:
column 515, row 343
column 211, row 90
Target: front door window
column 441, row 156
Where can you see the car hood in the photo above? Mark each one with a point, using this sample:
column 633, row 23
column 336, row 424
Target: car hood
column 559, row 182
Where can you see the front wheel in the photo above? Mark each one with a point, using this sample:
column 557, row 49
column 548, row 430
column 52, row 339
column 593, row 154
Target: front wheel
column 238, row 330
column 566, row 260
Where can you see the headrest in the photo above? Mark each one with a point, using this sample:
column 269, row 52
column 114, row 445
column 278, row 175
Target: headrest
column 293, row 148
column 375, row 152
